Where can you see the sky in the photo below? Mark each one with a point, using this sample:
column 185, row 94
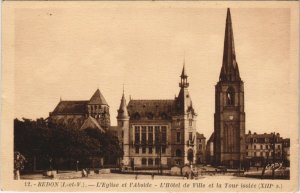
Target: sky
column 69, row 51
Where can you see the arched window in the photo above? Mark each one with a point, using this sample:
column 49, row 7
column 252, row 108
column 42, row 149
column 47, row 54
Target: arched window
column 178, row 153
column 230, row 96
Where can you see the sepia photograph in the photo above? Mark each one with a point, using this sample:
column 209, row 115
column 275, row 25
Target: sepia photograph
column 169, row 96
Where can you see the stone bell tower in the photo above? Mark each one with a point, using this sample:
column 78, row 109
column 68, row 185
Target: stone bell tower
column 229, row 118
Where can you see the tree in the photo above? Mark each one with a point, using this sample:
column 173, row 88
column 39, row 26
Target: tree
column 48, row 145
column 19, row 162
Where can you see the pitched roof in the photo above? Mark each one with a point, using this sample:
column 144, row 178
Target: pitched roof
column 98, row 98
column 91, row 122
column 151, row 109
column 70, row 107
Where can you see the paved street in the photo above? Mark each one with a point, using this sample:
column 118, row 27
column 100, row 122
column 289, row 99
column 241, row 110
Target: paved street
column 77, row 175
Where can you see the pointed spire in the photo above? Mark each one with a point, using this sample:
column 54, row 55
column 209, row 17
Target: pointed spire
column 122, row 112
column 229, row 71
column 183, row 73
column 184, row 83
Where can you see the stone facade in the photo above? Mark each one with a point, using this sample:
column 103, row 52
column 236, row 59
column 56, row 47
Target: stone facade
column 260, row 148
column 201, row 146
column 229, row 118
column 159, row 133
column 82, row 114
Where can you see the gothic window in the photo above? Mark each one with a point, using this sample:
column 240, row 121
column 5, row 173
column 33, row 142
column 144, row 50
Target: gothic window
column 190, row 136
column 178, row 137
column 137, row 149
column 178, row 122
column 150, row 150
column 143, row 149
column 230, row 96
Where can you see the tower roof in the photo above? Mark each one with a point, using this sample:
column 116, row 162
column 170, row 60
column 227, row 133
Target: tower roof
column 98, row 98
column 183, row 73
column 230, row 70
column 122, row 112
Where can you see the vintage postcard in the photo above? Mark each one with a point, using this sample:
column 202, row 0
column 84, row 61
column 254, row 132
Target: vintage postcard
column 168, row 96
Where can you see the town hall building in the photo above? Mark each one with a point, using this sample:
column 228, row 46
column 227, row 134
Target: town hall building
column 159, row 133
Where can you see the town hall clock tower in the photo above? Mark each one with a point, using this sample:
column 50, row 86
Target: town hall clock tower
column 229, row 118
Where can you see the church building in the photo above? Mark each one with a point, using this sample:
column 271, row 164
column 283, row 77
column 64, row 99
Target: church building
column 229, row 118
column 93, row 113
column 159, row 133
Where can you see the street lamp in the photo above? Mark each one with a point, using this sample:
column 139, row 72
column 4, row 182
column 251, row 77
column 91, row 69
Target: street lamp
column 77, row 162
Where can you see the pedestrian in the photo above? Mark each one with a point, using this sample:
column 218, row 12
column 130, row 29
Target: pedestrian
column 83, row 173
column 152, row 176
column 186, row 175
column 136, row 176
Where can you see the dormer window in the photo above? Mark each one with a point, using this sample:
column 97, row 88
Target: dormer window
column 150, row 116
column 137, row 116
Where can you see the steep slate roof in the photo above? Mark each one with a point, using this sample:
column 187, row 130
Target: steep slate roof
column 151, row 108
column 122, row 112
column 98, row 98
column 91, row 122
column 71, row 107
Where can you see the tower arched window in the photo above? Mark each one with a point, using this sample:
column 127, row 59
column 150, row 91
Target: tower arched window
column 230, row 96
